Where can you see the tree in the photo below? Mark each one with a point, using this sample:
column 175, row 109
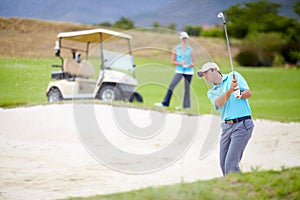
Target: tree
column 252, row 17
column 172, row 26
column 155, row 24
column 124, row 23
column 261, row 20
column 106, row 24
column 212, row 32
column 193, row 30
column 297, row 8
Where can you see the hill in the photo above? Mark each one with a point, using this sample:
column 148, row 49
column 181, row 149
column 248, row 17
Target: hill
column 143, row 12
column 29, row 38
column 195, row 12
column 88, row 11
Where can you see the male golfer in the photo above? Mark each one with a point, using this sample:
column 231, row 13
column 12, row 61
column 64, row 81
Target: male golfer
column 235, row 112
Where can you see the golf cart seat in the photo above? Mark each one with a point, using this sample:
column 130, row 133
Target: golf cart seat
column 84, row 69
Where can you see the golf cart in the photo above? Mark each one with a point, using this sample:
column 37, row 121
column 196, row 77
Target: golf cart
column 107, row 71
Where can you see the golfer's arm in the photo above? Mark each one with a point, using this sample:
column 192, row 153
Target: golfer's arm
column 223, row 98
column 193, row 64
column 174, row 62
column 246, row 94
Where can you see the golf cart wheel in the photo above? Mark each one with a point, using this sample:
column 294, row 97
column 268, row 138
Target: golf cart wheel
column 54, row 95
column 109, row 93
column 136, row 97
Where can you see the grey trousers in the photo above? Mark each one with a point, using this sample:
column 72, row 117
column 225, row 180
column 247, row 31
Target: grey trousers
column 174, row 82
column 233, row 142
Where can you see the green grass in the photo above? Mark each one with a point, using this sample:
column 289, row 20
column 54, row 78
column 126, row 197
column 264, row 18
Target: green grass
column 284, row 184
column 24, row 81
column 276, row 91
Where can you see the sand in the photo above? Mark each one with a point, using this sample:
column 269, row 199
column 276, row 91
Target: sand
column 43, row 155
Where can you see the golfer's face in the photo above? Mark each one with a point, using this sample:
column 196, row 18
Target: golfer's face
column 209, row 75
column 184, row 39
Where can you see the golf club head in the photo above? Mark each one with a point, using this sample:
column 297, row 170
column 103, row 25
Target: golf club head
column 221, row 15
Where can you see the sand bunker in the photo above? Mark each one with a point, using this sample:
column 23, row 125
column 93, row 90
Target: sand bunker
column 42, row 155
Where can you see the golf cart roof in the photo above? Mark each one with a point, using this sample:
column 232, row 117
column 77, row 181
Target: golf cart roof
column 92, row 35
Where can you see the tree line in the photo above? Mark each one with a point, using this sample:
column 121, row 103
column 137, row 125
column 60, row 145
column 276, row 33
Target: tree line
column 267, row 38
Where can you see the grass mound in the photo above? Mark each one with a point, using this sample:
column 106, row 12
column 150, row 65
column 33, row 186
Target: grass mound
column 284, row 184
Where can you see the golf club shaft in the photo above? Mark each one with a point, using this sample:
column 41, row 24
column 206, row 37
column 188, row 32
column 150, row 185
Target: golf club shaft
column 228, row 47
column 236, row 89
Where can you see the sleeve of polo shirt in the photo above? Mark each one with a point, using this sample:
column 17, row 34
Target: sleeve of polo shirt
column 212, row 95
column 241, row 82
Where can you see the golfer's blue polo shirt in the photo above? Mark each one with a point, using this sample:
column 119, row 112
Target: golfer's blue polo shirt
column 233, row 108
column 182, row 55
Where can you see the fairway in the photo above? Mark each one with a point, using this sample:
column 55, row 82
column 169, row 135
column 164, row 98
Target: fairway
column 276, row 91
column 24, row 81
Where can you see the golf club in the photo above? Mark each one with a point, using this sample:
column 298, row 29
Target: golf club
column 237, row 89
column 221, row 15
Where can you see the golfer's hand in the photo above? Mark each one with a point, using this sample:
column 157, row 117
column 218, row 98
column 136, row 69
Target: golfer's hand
column 235, row 89
column 233, row 85
column 237, row 92
column 184, row 64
